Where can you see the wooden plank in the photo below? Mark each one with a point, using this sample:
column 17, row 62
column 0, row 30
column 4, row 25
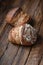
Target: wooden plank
column 2, row 16
column 4, row 40
column 2, row 21
column 38, row 17
column 35, row 55
column 29, row 7
column 21, row 56
column 2, row 28
column 33, row 7
column 8, row 56
column 41, row 30
column 41, row 63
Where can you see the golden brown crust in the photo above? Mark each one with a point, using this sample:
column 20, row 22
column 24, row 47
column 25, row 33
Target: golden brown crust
column 10, row 37
column 14, row 35
column 21, row 19
column 16, row 17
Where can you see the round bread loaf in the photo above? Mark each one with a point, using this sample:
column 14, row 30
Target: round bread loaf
column 23, row 35
column 17, row 17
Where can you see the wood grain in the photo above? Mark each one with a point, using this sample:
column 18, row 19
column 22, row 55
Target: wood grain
column 4, row 40
column 41, row 63
column 19, row 55
column 9, row 55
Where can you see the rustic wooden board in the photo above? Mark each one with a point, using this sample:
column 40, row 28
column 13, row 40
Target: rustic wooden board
column 19, row 55
column 22, row 55
column 4, row 40
column 9, row 55
column 41, row 63
column 36, row 54
column 41, row 30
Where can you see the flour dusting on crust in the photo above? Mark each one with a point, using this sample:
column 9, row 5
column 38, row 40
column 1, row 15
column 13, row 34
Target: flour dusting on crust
column 30, row 34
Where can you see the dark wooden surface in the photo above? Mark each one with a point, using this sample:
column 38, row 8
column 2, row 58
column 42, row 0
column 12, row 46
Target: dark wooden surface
column 21, row 55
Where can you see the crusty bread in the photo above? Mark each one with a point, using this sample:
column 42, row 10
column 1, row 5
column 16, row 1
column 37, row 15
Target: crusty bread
column 17, row 17
column 23, row 35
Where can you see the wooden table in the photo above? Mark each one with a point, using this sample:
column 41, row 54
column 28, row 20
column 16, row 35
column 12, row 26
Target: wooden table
column 11, row 54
